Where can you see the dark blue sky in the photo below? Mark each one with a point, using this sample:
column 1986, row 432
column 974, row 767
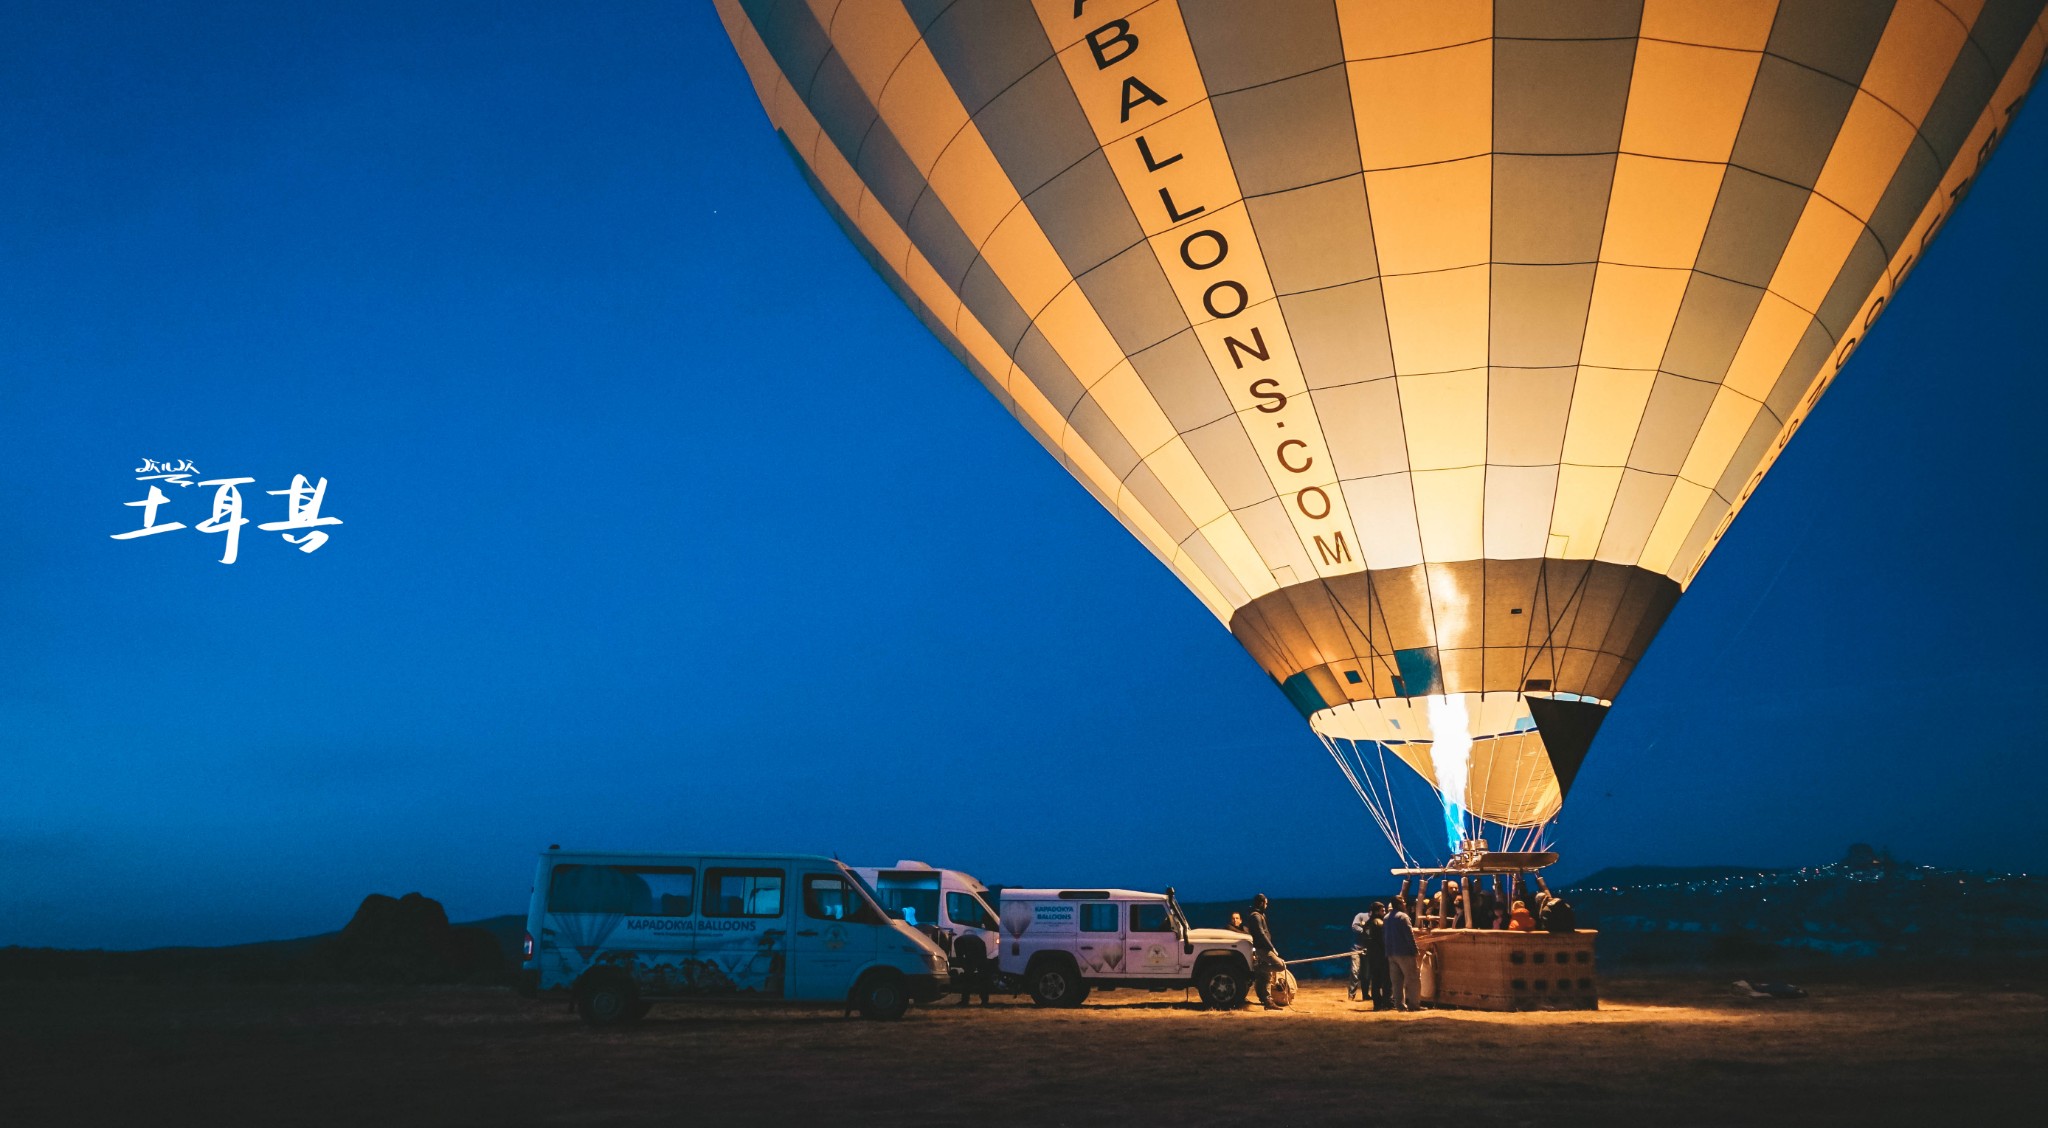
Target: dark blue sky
column 666, row 526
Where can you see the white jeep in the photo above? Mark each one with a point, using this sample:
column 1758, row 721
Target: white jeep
column 1060, row 944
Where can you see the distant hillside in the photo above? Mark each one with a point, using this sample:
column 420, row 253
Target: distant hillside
column 1870, row 907
column 1655, row 875
column 389, row 940
column 1867, row 905
column 509, row 931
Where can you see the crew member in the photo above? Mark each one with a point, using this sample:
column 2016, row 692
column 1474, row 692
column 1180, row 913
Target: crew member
column 1264, row 954
column 1406, row 984
column 1376, row 956
column 976, row 968
column 1360, row 976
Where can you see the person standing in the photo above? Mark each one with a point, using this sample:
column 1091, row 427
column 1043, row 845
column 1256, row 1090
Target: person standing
column 1360, row 976
column 1264, row 954
column 1406, row 984
column 1481, row 906
column 976, row 968
column 1554, row 913
column 1376, row 956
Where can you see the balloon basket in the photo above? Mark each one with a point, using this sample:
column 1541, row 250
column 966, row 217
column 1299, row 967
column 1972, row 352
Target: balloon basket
column 1498, row 970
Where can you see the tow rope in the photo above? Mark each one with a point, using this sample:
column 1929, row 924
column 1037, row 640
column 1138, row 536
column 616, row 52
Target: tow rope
column 1314, row 959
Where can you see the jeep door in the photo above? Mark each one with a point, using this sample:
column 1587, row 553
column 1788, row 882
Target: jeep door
column 1100, row 946
column 1151, row 945
column 837, row 936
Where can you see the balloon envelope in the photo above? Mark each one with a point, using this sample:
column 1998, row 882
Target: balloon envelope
column 1432, row 346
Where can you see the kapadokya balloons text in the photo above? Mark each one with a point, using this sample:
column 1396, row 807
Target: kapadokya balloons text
column 1432, row 345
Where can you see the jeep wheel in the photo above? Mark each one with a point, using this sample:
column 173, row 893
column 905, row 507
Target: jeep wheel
column 1056, row 983
column 882, row 995
column 1222, row 983
column 608, row 999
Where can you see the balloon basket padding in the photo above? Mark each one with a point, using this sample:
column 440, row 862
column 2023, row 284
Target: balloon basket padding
column 1498, row 970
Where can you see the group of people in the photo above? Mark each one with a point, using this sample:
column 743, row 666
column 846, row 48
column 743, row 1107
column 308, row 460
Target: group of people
column 1383, row 936
column 1492, row 902
column 1383, row 947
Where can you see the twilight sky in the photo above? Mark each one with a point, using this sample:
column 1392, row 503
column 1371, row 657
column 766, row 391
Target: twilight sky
column 666, row 526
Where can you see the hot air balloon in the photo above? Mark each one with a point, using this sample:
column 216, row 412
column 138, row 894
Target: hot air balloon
column 1432, row 346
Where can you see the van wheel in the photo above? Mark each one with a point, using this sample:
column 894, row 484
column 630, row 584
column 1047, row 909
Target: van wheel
column 608, row 999
column 1222, row 984
column 881, row 995
column 1056, row 983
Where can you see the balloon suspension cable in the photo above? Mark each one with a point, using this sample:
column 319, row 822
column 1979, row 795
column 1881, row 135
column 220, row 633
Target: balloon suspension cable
column 1393, row 812
column 1366, row 793
column 1477, row 825
column 1370, row 778
column 1378, row 803
column 1517, row 783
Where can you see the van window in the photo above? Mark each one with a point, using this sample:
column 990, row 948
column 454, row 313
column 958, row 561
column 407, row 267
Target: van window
column 622, row 890
column 1150, row 918
column 829, row 897
column 674, row 888
column 743, row 892
column 967, row 911
column 1098, row 918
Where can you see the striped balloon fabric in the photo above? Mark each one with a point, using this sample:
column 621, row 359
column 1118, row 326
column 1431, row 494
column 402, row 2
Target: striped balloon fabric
column 1432, row 345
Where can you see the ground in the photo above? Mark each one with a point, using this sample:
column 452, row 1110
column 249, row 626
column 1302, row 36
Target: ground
column 1670, row 1048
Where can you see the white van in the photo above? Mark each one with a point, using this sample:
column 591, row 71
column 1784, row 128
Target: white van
column 941, row 900
column 621, row 932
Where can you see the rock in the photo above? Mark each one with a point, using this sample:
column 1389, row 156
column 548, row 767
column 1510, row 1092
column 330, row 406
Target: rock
column 408, row 940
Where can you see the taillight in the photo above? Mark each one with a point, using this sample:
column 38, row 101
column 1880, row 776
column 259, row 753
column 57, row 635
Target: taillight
column 529, row 945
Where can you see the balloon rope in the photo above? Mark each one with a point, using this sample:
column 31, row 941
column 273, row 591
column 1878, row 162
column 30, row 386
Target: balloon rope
column 1386, row 793
column 1330, row 746
column 1516, row 780
column 1486, row 784
column 1379, row 800
column 1766, row 594
column 1393, row 810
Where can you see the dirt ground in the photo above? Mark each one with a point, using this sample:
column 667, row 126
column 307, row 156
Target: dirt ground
column 1663, row 1049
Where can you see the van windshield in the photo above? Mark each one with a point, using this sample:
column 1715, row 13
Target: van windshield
column 917, row 906
column 866, row 890
column 911, row 896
